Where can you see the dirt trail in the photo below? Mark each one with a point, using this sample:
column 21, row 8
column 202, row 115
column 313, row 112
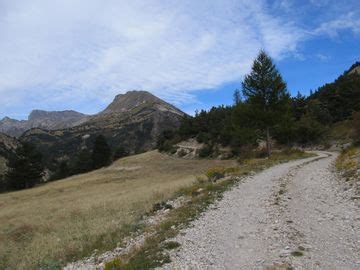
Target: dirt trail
column 293, row 214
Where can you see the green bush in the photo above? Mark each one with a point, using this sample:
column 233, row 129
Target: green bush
column 206, row 151
column 113, row 265
column 215, row 173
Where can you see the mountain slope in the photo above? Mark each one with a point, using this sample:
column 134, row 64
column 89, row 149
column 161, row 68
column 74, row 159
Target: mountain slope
column 42, row 119
column 341, row 97
column 133, row 120
column 355, row 68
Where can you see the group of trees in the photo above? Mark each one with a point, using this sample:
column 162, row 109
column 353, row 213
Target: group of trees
column 263, row 109
column 86, row 160
column 26, row 166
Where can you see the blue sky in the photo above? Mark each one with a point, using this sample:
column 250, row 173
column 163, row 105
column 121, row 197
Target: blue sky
column 78, row 54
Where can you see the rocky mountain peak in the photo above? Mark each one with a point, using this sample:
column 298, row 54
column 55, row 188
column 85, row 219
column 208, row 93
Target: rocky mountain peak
column 134, row 99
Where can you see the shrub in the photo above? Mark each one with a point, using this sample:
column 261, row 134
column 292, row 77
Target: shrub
column 292, row 151
column 201, row 179
column 203, row 137
column 245, row 152
column 172, row 150
column 113, row 265
column 261, row 153
column 171, row 245
column 205, row 151
column 215, row 173
column 161, row 206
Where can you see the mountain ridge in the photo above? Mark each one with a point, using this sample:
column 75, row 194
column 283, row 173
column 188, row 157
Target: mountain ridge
column 55, row 120
column 133, row 120
column 41, row 119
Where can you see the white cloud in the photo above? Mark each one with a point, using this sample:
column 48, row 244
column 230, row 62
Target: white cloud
column 62, row 51
column 349, row 21
column 323, row 57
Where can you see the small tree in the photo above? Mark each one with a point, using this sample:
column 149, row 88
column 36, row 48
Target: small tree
column 265, row 91
column 83, row 162
column 25, row 168
column 62, row 171
column 101, row 155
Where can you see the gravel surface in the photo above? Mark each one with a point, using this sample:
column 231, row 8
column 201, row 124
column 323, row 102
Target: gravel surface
column 295, row 214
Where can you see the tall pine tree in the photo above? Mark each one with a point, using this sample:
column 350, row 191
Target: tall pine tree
column 83, row 162
column 101, row 155
column 25, row 168
column 265, row 91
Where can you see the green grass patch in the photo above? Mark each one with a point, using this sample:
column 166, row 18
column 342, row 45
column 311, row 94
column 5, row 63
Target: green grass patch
column 171, row 245
column 297, row 253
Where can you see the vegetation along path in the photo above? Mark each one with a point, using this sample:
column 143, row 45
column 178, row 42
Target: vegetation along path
column 291, row 216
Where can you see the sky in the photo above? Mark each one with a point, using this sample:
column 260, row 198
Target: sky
column 79, row 54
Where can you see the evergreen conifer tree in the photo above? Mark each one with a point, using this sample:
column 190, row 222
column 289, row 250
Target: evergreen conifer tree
column 265, row 91
column 25, row 168
column 101, row 155
column 83, row 162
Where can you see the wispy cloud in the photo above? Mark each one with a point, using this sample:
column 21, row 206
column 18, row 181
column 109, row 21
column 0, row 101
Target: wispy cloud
column 61, row 51
column 349, row 21
column 82, row 53
column 323, row 57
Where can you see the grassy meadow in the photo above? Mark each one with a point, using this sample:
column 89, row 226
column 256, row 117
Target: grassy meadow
column 64, row 220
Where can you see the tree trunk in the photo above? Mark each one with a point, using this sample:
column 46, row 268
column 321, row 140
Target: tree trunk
column 268, row 144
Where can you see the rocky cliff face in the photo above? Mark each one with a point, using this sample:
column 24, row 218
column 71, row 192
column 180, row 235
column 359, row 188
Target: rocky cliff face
column 42, row 119
column 133, row 120
column 7, row 146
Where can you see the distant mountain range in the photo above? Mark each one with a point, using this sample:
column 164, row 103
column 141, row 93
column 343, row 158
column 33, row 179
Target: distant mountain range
column 42, row 119
column 133, row 121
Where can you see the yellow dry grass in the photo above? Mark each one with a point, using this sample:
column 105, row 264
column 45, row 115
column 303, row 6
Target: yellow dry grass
column 68, row 218
column 348, row 162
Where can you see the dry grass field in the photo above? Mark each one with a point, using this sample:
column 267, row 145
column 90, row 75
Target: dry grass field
column 67, row 219
column 348, row 163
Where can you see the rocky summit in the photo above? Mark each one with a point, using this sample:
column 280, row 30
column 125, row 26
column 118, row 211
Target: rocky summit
column 133, row 121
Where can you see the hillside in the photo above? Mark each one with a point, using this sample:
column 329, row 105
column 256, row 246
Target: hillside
column 339, row 99
column 7, row 144
column 66, row 219
column 133, row 121
column 42, row 119
column 355, row 68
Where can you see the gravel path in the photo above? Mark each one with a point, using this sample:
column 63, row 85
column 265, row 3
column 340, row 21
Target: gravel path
column 293, row 214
